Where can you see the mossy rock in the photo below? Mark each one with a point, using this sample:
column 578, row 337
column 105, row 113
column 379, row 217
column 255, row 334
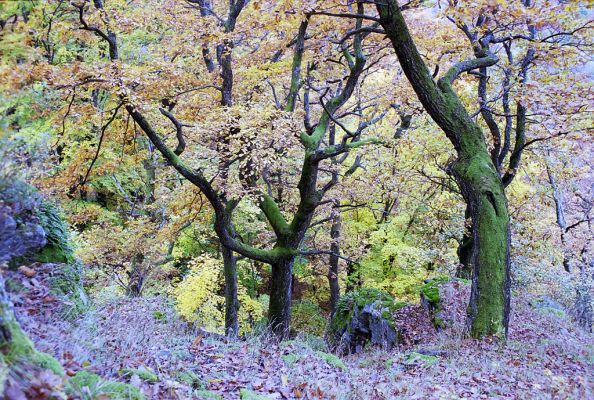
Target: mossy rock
column 143, row 373
column 364, row 315
column 431, row 299
column 332, row 360
column 246, row 394
column 87, row 382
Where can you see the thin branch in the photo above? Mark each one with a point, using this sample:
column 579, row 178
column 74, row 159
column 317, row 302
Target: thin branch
column 103, row 129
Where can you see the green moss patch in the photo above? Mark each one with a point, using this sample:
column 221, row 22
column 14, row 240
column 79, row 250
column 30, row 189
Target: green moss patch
column 21, row 349
column 85, row 382
column 332, row 360
column 290, row 359
column 208, row 395
column 191, row 379
column 418, row 359
column 143, row 373
column 246, row 394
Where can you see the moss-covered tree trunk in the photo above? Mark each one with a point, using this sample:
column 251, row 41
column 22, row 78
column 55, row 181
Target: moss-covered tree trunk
column 477, row 177
column 488, row 309
column 279, row 309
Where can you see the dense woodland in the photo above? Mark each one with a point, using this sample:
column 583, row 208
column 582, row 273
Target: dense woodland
column 372, row 199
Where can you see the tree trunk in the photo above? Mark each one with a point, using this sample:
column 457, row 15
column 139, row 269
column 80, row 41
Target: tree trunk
column 560, row 213
column 465, row 252
column 482, row 188
column 279, row 309
column 333, row 261
column 231, row 302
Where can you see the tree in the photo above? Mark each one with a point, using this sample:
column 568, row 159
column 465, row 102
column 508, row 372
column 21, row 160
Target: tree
column 288, row 233
column 473, row 170
column 481, row 181
column 526, row 39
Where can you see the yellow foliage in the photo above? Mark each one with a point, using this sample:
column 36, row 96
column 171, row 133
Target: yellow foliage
column 199, row 298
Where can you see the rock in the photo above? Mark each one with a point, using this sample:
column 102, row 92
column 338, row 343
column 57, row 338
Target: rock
column 364, row 316
column 431, row 300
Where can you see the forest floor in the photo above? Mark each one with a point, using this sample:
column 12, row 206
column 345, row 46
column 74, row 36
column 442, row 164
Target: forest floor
column 545, row 357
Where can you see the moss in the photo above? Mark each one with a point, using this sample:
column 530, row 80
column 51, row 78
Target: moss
column 143, row 373
column 86, row 382
column 290, row 359
column 52, row 254
column 465, row 281
column 190, row 379
column 415, row 358
column 431, row 292
column 332, row 360
column 246, row 394
column 21, row 349
column 389, row 363
column 159, row 315
column 208, row 395
column 345, row 308
column 45, row 360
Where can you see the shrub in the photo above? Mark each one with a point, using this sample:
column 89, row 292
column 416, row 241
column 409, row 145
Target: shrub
column 199, row 298
column 308, row 317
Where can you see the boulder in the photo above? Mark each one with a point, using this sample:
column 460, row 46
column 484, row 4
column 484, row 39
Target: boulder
column 364, row 316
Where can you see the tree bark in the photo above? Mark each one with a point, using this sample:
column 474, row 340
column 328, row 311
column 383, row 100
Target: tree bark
column 560, row 213
column 333, row 261
column 279, row 310
column 465, row 252
column 231, row 301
